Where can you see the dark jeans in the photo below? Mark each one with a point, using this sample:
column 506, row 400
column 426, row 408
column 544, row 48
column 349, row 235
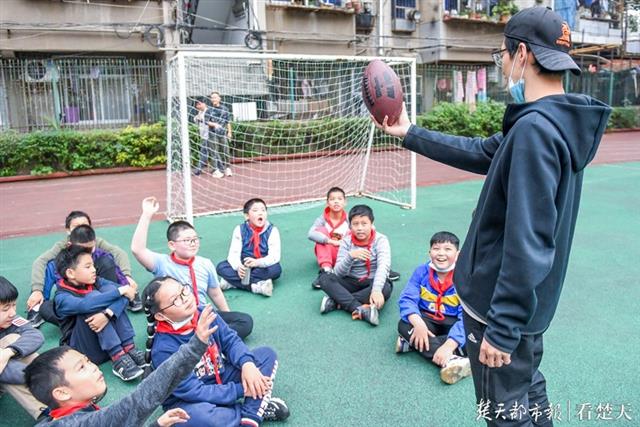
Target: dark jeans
column 215, row 148
column 519, row 383
column 439, row 328
column 98, row 347
column 350, row 293
column 227, row 272
column 242, row 323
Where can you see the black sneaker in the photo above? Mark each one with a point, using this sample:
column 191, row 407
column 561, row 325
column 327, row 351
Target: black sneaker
column 276, row 410
column 394, row 276
column 126, row 369
column 327, row 305
column 366, row 312
column 316, row 283
column 135, row 305
column 138, row 357
column 35, row 318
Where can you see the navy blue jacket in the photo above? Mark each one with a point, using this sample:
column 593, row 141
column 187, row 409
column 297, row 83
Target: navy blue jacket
column 514, row 259
column 200, row 385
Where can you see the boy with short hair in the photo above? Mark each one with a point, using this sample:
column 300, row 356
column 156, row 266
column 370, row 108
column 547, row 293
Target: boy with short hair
column 39, row 268
column 71, row 386
column 185, row 265
column 328, row 230
column 93, row 316
column 254, row 252
column 19, row 342
column 360, row 282
column 431, row 313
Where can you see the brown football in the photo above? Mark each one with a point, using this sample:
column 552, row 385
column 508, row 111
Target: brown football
column 382, row 91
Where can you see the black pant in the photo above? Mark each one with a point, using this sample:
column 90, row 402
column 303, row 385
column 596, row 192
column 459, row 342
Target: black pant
column 519, row 383
column 350, row 293
column 439, row 328
column 242, row 323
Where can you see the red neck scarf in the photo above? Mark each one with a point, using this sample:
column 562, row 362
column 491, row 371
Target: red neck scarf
column 367, row 245
column 81, row 289
column 192, row 273
column 441, row 288
column 255, row 239
column 327, row 218
column 68, row 410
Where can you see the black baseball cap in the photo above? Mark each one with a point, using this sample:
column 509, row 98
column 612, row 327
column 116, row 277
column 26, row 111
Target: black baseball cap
column 548, row 36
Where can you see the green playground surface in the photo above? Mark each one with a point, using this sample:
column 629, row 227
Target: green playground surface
column 336, row 372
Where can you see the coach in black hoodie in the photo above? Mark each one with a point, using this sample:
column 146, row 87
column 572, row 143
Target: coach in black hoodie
column 510, row 271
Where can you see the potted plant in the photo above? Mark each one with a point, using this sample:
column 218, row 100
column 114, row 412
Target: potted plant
column 505, row 9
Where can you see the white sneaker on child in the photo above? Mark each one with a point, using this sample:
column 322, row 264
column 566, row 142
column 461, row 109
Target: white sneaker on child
column 263, row 287
column 224, row 285
column 217, row 174
column 227, row 172
column 456, row 369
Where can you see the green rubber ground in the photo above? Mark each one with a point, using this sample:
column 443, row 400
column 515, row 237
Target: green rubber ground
column 337, row 372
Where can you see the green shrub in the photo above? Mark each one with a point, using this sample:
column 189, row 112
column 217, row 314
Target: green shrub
column 458, row 120
column 624, row 118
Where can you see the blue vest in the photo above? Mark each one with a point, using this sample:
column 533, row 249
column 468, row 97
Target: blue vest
column 247, row 244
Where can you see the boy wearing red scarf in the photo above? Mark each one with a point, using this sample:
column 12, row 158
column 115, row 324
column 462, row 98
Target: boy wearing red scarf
column 254, row 251
column 184, row 263
column 360, row 282
column 328, row 230
column 92, row 312
column 431, row 314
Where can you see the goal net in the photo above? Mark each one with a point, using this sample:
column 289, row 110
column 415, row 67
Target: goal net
column 296, row 126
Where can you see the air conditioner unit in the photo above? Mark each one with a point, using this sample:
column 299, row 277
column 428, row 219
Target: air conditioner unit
column 36, row 71
column 405, row 15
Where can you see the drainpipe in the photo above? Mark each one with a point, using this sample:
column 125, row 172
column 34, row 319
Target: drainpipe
column 380, row 28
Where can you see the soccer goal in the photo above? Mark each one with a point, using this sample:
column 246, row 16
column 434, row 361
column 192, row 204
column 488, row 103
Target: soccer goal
column 298, row 126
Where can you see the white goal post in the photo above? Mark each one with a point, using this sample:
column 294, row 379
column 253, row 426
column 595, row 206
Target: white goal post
column 297, row 126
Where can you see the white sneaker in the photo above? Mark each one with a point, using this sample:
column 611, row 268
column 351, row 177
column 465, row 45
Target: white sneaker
column 456, row 369
column 217, row 174
column 227, row 172
column 263, row 287
column 224, row 285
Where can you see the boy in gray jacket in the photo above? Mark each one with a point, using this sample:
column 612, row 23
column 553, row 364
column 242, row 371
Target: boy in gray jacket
column 71, row 385
column 18, row 344
column 360, row 282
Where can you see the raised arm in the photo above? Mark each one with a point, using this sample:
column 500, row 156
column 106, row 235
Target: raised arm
column 139, row 241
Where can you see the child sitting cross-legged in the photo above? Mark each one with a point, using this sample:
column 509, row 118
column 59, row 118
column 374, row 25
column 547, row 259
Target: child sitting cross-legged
column 92, row 312
column 253, row 262
column 231, row 385
column 431, row 313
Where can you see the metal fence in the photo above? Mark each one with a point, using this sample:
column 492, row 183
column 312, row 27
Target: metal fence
column 450, row 83
column 80, row 93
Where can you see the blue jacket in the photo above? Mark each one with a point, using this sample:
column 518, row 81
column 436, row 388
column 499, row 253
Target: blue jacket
column 418, row 296
column 514, row 259
column 104, row 295
column 200, row 385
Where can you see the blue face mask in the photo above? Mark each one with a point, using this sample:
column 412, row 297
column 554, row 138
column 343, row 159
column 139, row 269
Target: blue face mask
column 517, row 89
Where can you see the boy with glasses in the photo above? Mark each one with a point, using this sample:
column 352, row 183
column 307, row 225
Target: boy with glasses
column 185, row 265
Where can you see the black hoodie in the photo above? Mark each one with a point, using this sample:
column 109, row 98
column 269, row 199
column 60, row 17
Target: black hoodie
column 514, row 259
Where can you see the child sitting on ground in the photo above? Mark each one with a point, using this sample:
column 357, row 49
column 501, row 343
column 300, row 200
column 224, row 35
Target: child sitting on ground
column 253, row 262
column 19, row 342
column 185, row 265
column 93, row 316
column 360, row 282
column 38, row 270
column 328, row 230
column 431, row 313
column 71, row 386
column 227, row 372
